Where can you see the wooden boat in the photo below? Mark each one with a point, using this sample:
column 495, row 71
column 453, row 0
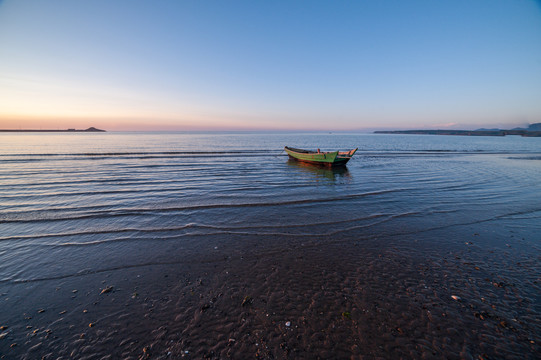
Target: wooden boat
column 330, row 158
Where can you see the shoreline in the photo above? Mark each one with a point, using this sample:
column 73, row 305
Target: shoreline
column 467, row 294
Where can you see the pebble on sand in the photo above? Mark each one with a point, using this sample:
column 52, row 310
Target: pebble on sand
column 107, row 290
column 247, row 300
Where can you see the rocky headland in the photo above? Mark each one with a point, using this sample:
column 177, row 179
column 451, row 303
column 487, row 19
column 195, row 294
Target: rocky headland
column 534, row 130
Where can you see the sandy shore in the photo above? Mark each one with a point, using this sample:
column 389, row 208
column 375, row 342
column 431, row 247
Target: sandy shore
column 469, row 293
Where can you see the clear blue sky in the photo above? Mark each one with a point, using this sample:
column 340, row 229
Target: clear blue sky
column 324, row 65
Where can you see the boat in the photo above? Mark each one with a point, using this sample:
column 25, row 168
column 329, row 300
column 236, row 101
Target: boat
column 328, row 158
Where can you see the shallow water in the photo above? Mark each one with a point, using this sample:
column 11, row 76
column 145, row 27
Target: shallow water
column 363, row 260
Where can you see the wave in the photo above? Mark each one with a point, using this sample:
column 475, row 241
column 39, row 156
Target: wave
column 100, row 192
column 124, row 181
column 140, row 153
column 380, row 218
column 525, row 157
column 90, row 272
column 5, row 217
column 198, row 226
column 225, row 230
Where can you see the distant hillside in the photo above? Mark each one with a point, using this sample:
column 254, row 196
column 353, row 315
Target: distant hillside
column 534, row 130
column 532, row 127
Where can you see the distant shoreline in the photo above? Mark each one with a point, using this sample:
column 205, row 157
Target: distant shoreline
column 524, row 133
column 91, row 129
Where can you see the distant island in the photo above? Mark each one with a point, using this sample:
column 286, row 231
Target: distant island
column 534, row 130
column 90, row 129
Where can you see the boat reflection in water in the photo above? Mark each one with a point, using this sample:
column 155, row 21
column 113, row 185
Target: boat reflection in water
column 322, row 172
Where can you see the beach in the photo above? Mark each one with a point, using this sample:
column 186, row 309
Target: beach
column 144, row 246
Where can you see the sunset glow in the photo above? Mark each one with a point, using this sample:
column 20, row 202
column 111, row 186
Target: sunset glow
column 130, row 65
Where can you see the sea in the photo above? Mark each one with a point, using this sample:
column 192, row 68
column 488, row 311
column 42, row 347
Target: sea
column 90, row 218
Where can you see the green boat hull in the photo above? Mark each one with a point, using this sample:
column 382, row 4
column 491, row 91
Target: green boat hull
column 331, row 158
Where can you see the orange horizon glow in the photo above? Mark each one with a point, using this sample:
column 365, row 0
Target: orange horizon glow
column 237, row 122
column 148, row 124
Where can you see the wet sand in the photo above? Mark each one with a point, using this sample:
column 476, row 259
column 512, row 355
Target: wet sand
column 467, row 292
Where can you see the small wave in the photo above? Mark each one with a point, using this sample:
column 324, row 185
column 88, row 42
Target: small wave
column 437, row 152
column 525, row 157
column 533, row 213
column 145, row 211
column 475, row 222
column 90, row 233
column 128, row 153
column 89, row 272
column 124, row 181
column 193, row 226
column 64, row 194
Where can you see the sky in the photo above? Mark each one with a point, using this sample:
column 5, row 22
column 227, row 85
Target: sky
column 130, row 65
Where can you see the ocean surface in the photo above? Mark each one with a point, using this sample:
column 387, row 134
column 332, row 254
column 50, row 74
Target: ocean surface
column 83, row 211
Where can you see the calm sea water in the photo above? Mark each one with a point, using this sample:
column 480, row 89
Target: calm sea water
column 218, row 246
column 83, row 203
